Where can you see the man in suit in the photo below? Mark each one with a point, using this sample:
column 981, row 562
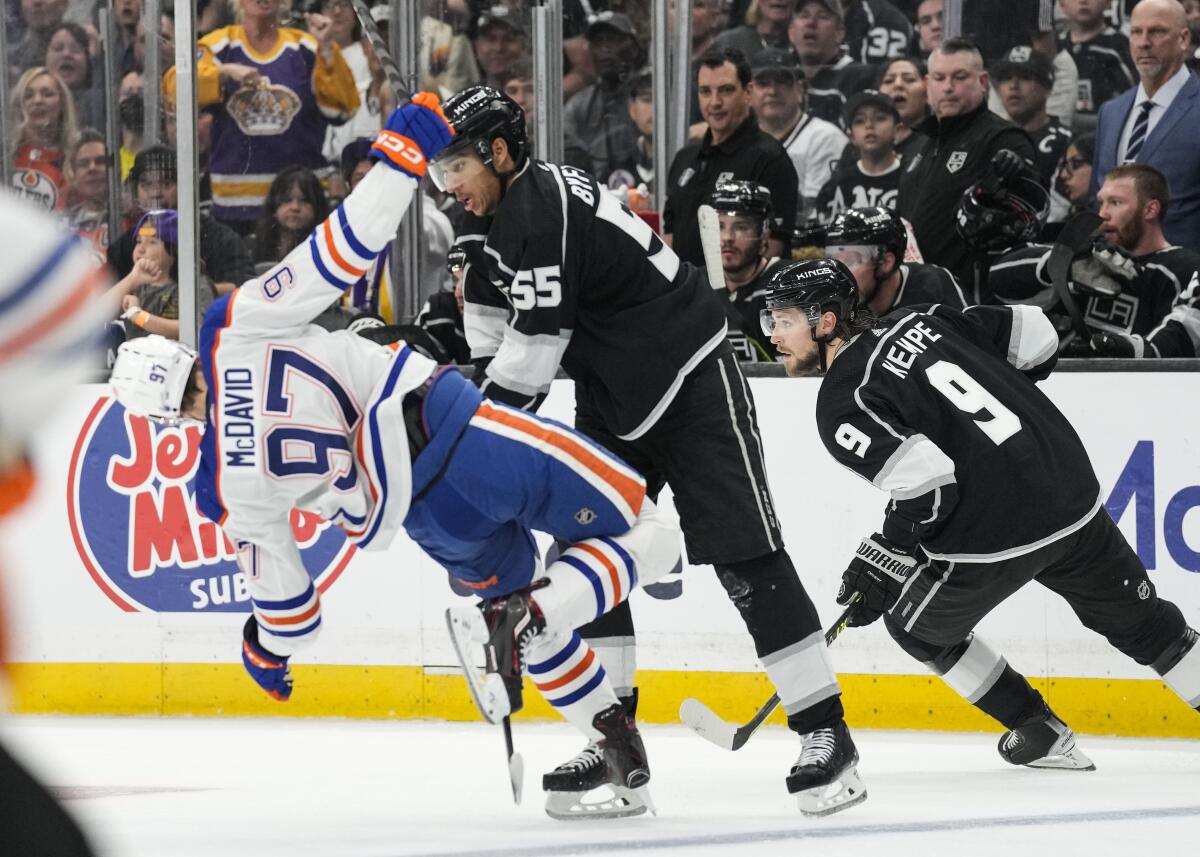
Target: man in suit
column 1158, row 122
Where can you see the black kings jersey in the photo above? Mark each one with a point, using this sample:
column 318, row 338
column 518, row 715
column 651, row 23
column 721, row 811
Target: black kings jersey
column 743, row 307
column 850, row 187
column 938, row 407
column 1051, row 141
column 927, row 284
column 571, row 277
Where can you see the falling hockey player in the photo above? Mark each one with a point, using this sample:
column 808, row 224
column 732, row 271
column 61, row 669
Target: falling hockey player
column 990, row 489
column 374, row 438
column 560, row 273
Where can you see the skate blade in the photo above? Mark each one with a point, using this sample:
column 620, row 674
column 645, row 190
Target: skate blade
column 466, row 627
column 1069, row 760
column 608, row 801
column 843, row 793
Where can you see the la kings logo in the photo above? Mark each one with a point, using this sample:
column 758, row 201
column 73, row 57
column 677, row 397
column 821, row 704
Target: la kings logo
column 955, row 162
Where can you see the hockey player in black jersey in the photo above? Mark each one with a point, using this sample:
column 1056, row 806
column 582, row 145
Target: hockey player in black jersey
column 870, row 242
column 561, row 274
column 744, row 210
column 1127, row 283
column 990, row 489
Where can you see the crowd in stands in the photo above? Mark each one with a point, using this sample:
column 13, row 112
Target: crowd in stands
column 831, row 105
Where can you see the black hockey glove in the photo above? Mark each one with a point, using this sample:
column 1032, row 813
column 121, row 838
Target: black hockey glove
column 1128, row 345
column 879, row 570
column 1006, row 164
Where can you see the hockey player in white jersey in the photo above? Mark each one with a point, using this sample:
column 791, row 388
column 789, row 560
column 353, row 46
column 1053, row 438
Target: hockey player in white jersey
column 375, row 438
column 51, row 316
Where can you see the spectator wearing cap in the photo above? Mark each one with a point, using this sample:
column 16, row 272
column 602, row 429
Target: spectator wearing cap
column 904, row 82
column 598, row 115
column 1101, row 56
column 874, row 178
column 149, row 293
column 733, row 147
column 817, row 34
column 766, row 27
column 1023, row 78
column 1157, row 123
column 153, row 184
column 641, row 111
column 876, row 30
column 500, row 40
column 777, row 94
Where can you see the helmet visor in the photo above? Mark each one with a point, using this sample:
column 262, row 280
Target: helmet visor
column 786, row 319
column 455, row 166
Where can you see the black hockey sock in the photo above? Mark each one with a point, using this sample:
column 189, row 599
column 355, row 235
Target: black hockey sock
column 771, row 599
column 1012, row 700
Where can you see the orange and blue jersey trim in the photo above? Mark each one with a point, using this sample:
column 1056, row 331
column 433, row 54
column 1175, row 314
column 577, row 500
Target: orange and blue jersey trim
column 377, row 479
column 290, row 617
column 337, row 253
column 616, row 480
column 574, row 669
column 208, row 478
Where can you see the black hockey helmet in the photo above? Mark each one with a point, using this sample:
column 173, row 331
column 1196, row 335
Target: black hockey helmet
column 741, row 197
column 480, row 115
column 816, row 286
column 869, row 226
column 1001, row 219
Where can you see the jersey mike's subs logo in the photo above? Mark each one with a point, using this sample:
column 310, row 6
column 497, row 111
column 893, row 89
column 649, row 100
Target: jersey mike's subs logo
column 133, row 516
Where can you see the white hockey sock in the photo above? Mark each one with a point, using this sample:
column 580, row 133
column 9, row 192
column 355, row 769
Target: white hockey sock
column 1184, row 677
column 593, row 576
column 802, row 673
column 571, row 678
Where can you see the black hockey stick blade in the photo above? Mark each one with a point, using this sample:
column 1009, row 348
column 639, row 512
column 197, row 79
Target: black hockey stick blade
column 516, row 765
column 1076, row 235
column 708, row 725
column 390, row 70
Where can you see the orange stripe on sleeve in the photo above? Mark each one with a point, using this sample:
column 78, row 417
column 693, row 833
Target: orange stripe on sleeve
column 575, row 673
column 292, row 620
column 336, row 256
column 632, row 490
column 607, row 563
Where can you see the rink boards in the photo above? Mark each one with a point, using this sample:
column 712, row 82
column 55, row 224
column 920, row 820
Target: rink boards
column 122, row 599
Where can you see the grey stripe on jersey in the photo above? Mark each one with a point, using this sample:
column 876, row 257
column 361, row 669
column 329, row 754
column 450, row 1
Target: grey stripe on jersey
column 802, row 673
column 1021, row 549
column 917, row 467
column 1032, row 339
column 1188, row 317
column 977, row 670
column 495, row 254
column 669, row 396
column 758, row 489
column 530, row 362
column 937, row 584
column 484, row 327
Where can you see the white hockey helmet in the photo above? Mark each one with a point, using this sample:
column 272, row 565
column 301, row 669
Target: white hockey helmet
column 150, row 376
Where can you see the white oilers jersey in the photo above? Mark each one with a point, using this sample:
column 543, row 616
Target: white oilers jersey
column 303, row 418
column 50, row 316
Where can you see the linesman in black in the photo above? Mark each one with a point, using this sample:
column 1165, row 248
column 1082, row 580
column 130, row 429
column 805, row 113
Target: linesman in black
column 990, row 489
column 563, row 274
column 744, row 209
column 870, row 242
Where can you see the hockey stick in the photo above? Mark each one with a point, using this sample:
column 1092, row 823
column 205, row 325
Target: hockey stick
column 399, row 86
column 710, row 243
column 1076, row 235
column 709, row 726
column 465, row 625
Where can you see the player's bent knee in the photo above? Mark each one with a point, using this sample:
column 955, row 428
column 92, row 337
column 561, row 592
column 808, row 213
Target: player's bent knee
column 768, row 594
column 652, row 542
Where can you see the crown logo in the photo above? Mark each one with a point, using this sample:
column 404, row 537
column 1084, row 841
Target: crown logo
column 263, row 109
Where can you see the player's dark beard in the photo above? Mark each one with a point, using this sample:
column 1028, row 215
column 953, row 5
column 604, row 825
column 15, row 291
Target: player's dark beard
column 1130, row 235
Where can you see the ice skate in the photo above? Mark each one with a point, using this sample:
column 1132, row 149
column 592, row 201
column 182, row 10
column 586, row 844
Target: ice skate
column 1043, row 741
column 512, row 621
column 825, row 777
column 607, row 779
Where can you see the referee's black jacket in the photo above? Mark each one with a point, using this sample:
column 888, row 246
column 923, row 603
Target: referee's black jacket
column 749, row 154
column 953, row 156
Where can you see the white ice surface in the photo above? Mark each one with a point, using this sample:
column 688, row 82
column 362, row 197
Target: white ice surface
column 151, row 787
